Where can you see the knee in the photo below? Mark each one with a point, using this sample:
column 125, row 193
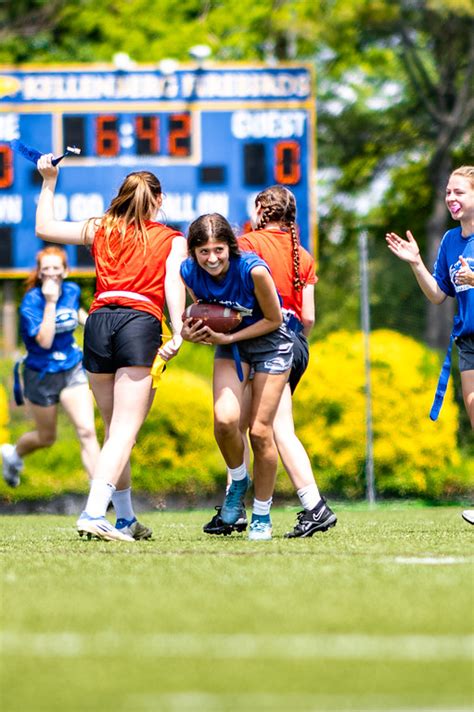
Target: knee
column 47, row 439
column 225, row 427
column 86, row 434
column 261, row 436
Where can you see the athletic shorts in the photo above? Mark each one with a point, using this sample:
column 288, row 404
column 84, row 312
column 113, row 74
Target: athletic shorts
column 45, row 389
column 300, row 360
column 115, row 337
column 271, row 353
column 465, row 346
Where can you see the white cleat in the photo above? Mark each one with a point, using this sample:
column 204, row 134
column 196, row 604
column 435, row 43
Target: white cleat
column 100, row 528
column 468, row 515
column 12, row 465
column 260, row 531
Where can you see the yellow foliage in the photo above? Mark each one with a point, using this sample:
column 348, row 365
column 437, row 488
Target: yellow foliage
column 330, row 414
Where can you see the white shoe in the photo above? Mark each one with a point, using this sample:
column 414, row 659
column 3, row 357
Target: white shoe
column 260, row 531
column 101, row 528
column 468, row 515
column 133, row 528
column 12, row 465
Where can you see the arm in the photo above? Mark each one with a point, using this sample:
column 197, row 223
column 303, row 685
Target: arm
column 82, row 316
column 175, row 294
column 267, row 298
column 408, row 251
column 308, row 310
column 63, row 232
column 47, row 331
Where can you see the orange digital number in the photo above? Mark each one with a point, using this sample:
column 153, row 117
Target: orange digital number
column 287, row 162
column 147, row 132
column 6, row 166
column 107, row 137
column 179, row 136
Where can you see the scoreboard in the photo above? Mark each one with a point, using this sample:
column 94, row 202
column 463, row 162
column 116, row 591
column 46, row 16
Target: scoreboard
column 214, row 135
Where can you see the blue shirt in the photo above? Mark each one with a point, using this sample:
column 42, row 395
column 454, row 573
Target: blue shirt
column 64, row 352
column 235, row 289
column 446, row 265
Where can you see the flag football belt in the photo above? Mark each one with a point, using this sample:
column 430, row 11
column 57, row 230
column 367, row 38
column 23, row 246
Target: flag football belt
column 442, row 382
column 158, row 365
column 291, row 321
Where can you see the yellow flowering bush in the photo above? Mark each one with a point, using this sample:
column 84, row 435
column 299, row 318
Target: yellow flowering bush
column 4, row 415
column 412, row 454
column 176, row 451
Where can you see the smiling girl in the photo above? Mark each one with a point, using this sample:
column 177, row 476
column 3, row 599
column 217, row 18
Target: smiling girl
column 217, row 272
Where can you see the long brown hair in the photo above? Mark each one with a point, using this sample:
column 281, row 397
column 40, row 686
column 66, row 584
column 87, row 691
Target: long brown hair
column 134, row 204
column 212, row 226
column 279, row 206
column 34, row 279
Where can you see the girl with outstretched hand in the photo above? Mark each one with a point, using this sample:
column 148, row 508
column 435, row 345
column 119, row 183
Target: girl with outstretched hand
column 137, row 264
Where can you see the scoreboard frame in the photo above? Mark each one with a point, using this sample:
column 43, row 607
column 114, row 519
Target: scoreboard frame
column 214, row 133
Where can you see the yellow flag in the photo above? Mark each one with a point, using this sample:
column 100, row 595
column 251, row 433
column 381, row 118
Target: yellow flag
column 158, row 365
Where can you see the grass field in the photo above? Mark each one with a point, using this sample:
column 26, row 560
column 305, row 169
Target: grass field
column 376, row 614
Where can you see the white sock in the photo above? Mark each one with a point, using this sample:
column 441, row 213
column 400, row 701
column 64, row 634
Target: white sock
column 18, row 460
column 122, row 501
column 309, row 496
column 238, row 473
column 99, row 498
column 262, row 507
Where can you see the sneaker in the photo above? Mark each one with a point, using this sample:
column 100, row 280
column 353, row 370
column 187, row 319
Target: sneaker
column 319, row 519
column 12, row 465
column 468, row 515
column 231, row 510
column 133, row 528
column 100, row 528
column 260, row 531
column 218, row 526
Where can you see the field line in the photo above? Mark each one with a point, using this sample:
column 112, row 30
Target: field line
column 244, row 646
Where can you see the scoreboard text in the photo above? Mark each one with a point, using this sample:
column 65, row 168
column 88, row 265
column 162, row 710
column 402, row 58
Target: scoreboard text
column 214, row 137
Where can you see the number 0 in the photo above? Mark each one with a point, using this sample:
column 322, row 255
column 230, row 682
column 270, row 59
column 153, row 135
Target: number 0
column 287, row 162
column 6, row 167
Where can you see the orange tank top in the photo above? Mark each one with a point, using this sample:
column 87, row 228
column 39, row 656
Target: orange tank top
column 125, row 266
column 275, row 247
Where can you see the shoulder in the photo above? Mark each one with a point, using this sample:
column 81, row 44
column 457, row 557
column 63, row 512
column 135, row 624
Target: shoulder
column 32, row 297
column 163, row 230
column 250, row 260
column 188, row 267
column 71, row 288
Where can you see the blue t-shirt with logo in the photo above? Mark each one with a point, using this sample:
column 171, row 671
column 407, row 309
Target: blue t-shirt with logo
column 234, row 290
column 64, row 352
column 446, row 265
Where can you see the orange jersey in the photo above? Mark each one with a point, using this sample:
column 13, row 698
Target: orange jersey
column 134, row 270
column 275, row 247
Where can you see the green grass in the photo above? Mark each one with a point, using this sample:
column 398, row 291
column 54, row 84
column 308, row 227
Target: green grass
column 376, row 614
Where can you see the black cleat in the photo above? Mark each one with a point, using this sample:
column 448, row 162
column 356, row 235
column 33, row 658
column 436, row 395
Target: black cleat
column 319, row 519
column 218, row 526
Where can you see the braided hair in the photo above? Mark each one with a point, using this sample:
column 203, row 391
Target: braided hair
column 278, row 205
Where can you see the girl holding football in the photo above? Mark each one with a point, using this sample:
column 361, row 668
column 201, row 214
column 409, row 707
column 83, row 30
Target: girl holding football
column 275, row 240
column 52, row 368
column 453, row 276
column 216, row 271
column 137, row 264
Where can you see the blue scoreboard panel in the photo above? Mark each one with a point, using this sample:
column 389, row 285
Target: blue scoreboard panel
column 213, row 135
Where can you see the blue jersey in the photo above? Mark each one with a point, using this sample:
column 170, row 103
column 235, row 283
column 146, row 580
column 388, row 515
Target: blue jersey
column 64, row 352
column 446, row 266
column 235, row 290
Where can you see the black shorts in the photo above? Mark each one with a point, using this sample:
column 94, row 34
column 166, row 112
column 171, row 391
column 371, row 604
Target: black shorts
column 45, row 389
column 115, row 337
column 300, row 360
column 465, row 346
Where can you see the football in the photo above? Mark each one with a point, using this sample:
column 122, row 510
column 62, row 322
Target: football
column 216, row 316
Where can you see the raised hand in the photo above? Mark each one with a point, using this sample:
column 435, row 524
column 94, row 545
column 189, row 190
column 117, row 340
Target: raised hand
column 464, row 275
column 406, row 250
column 51, row 289
column 45, row 166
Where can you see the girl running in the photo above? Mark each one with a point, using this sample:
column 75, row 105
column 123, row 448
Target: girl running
column 52, row 369
column 137, row 267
